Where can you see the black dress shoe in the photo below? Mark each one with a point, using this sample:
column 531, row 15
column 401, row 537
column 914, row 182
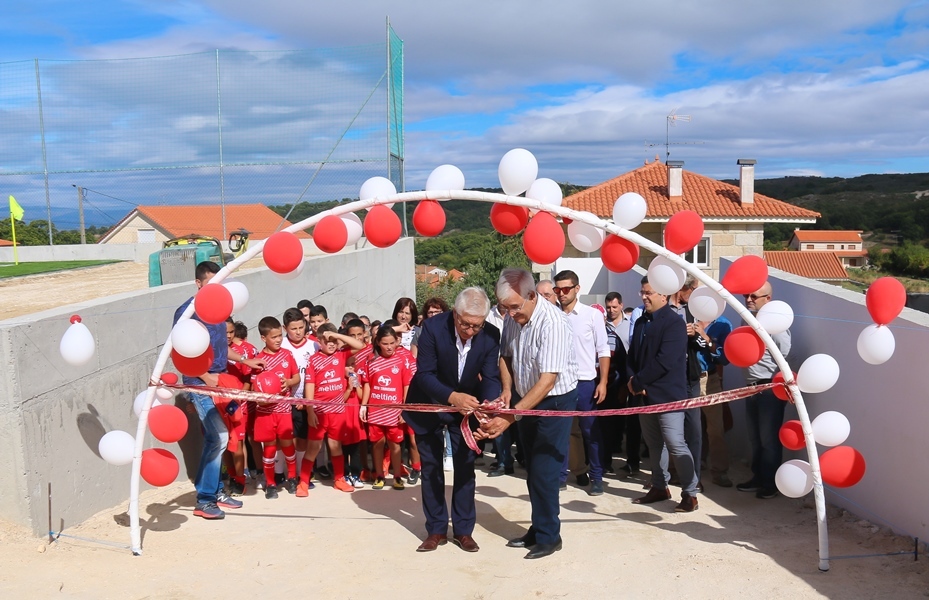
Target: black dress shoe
column 496, row 471
column 526, row 541
column 654, row 495
column 583, row 480
column 542, row 550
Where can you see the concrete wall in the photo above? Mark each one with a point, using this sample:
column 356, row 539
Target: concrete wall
column 887, row 405
column 52, row 415
column 134, row 252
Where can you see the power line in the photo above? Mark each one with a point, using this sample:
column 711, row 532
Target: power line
column 86, row 189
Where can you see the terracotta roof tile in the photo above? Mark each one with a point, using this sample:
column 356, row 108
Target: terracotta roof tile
column 6, row 243
column 814, row 264
column 707, row 197
column 826, row 235
column 207, row 219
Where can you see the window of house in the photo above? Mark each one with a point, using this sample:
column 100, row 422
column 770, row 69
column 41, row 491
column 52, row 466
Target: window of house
column 146, row 236
column 809, row 246
column 842, row 247
column 852, row 247
column 700, row 255
column 830, row 246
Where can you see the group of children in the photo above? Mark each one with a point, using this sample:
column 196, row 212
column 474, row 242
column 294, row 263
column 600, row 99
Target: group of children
column 322, row 378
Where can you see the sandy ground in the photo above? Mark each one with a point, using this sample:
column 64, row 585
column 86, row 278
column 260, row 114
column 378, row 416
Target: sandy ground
column 357, row 545
column 24, row 295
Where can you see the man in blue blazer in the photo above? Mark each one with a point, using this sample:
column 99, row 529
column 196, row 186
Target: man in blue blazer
column 457, row 365
column 657, row 367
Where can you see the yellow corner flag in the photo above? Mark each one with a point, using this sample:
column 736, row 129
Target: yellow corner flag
column 16, row 211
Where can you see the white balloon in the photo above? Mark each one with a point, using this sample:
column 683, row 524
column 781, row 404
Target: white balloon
column 776, row 316
column 354, row 227
column 817, row 374
column 545, row 190
column 116, row 447
column 239, row 294
column 517, row 170
column 585, row 237
column 377, row 187
column 831, row 428
column 705, row 304
column 876, row 344
column 293, row 274
column 664, row 276
column 794, row 478
column 164, row 394
column 190, row 338
column 445, row 177
column 140, row 400
column 77, row 345
column 629, row 210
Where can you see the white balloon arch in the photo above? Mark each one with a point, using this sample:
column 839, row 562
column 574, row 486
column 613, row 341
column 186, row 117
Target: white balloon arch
column 536, row 205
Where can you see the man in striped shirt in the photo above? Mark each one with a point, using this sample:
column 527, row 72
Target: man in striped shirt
column 537, row 353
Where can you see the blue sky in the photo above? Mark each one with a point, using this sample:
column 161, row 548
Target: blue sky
column 824, row 88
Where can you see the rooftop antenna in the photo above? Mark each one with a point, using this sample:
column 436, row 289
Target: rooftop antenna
column 670, row 120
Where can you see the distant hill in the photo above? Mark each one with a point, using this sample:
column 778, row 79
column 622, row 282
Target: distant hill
column 890, row 209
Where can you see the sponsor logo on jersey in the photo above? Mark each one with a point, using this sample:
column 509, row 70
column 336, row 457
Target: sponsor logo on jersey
column 383, row 381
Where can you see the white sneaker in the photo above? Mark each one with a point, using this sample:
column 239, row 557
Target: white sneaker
column 357, row 483
column 447, row 463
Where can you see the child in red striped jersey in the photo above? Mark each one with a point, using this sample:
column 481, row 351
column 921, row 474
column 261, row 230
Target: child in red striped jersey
column 386, row 378
column 273, row 423
column 326, row 382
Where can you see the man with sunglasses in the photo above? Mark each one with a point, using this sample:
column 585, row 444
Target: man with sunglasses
column 592, row 353
column 764, row 412
column 457, row 365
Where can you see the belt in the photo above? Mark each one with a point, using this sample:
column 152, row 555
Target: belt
column 703, row 374
column 761, row 381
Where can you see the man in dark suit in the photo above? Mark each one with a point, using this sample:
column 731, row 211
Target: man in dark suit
column 457, row 365
column 657, row 369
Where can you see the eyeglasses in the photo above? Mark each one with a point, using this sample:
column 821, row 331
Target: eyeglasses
column 469, row 326
column 646, row 294
column 754, row 297
column 563, row 289
column 433, row 312
column 514, row 309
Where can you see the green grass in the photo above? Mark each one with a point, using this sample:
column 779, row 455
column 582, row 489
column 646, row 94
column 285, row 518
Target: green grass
column 32, row 268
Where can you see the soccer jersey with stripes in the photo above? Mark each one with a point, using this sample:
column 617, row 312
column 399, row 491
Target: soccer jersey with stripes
column 281, row 363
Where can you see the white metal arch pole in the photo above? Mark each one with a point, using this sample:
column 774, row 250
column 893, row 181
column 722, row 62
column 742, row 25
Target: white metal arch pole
column 584, row 217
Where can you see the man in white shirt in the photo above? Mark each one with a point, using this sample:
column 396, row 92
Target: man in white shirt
column 537, row 359
column 592, row 353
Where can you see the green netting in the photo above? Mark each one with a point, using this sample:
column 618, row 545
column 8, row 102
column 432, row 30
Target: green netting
column 217, row 127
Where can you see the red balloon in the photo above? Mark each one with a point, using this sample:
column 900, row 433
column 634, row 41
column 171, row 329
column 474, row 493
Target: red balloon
column 566, row 220
column 618, row 254
column 169, row 378
column 193, row 367
column 683, row 231
column 507, row 219
column 382, row 226
column 780, row 391
column 791, row 435
column 842, row 466
column 213, row 303
column 885, row 298
column 743, row 347
column 544, row 240
column 268, row 382
column 167, row 423
column 282, row 252
column 746, row 275
column 330, row 234
column 429, row 218
column 159, row 467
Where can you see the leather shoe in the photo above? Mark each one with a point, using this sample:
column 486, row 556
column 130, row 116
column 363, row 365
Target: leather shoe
column 526, row 541
column 654, row 495
column 466, row 543
column 688, row 503
column 542, row 550
column 496, row 471
column 432, row 542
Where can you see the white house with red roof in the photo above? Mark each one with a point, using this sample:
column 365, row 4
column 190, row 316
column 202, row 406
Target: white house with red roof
column 847, row 244
column 733, row 215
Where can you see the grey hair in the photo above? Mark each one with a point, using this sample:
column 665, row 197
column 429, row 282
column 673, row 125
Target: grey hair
column 690, row 282
column 472, row 301
column 545, row 281
column 517, row 281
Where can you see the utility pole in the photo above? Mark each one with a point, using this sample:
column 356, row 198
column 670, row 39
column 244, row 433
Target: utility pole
column 80, row 212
